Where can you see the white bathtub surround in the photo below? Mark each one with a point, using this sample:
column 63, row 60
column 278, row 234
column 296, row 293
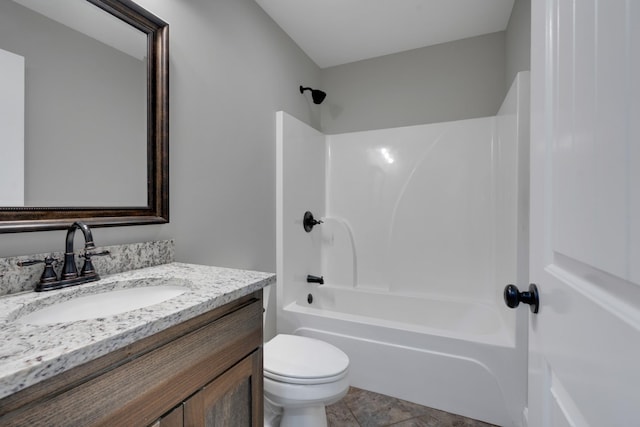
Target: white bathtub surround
column 33, row 353
column 299, row 188
column 419, row 200
column 424, row 226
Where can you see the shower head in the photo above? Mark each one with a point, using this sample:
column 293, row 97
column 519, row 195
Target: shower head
column 316, row 94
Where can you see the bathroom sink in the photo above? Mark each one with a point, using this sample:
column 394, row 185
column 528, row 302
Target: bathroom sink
column 102, row 304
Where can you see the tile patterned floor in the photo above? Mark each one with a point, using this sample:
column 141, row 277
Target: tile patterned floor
column 362, row 408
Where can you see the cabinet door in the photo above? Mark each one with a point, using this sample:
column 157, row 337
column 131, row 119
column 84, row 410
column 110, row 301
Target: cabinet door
column 232, row 399
column 174, row 418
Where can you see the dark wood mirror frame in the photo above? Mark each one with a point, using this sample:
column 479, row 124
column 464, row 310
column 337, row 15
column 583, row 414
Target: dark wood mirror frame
column 19, row 219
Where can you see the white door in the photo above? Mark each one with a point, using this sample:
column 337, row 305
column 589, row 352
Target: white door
column 584, row 367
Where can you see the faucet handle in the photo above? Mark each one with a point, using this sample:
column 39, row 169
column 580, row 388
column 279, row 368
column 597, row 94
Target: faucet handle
column 28, row 262
column 49, row 274
column 308, row 221
column 88, row 254
column 49, row 260
column 87, row 268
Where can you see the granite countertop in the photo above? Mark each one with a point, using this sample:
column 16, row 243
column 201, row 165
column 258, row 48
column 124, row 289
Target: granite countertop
column 33, row 353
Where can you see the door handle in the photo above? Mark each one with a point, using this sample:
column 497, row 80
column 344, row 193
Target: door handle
column 513, row 297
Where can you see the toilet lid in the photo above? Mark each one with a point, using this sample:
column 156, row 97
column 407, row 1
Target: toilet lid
column 296, row 359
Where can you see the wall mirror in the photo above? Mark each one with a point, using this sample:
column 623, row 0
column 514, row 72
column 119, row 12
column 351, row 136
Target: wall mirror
column 84, row 127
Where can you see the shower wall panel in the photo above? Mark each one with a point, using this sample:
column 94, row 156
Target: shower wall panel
column 421, row 203
column 300, row 157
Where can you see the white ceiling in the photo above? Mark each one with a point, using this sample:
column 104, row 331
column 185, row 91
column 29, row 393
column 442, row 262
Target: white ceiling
column 334, row 32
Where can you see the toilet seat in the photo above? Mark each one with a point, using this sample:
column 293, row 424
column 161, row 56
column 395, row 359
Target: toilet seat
column 304, row 381
column 295, row 359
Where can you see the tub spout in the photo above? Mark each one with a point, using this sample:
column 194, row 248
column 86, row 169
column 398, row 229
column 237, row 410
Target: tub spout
column 315, row 279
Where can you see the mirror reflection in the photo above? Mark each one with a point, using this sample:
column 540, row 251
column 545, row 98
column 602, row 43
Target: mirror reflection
column 73, row 122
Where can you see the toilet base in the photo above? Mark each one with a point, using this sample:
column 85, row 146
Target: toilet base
column 272, row 414
column 310, row 416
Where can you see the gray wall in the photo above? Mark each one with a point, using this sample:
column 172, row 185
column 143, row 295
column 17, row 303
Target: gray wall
column 451, row 81
column 231, row 69
column 518, row 41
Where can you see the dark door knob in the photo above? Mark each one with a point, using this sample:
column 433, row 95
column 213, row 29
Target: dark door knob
column 512, row 297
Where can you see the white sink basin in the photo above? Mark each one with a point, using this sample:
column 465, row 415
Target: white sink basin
column 102, row 304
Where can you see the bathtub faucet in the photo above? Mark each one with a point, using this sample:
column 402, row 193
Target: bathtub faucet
column 308, row 221
column 315, row 279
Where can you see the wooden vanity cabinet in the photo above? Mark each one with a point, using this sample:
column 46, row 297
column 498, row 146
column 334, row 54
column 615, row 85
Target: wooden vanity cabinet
column 229, row 400
column 204, row 372
column 175, row 418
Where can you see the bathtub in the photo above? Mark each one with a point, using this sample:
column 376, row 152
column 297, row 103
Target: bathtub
column 448, row 354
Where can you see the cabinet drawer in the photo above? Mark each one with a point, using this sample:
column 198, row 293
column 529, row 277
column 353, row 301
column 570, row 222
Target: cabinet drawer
column 140, row 390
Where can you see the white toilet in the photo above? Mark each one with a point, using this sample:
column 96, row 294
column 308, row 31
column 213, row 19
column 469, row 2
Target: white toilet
column 301, row 376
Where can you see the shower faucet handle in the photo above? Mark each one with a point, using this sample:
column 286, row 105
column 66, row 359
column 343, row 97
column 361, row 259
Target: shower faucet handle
column 308, row 221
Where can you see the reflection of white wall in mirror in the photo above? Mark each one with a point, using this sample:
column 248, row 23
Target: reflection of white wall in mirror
column 84, row 17
column 11, row 129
